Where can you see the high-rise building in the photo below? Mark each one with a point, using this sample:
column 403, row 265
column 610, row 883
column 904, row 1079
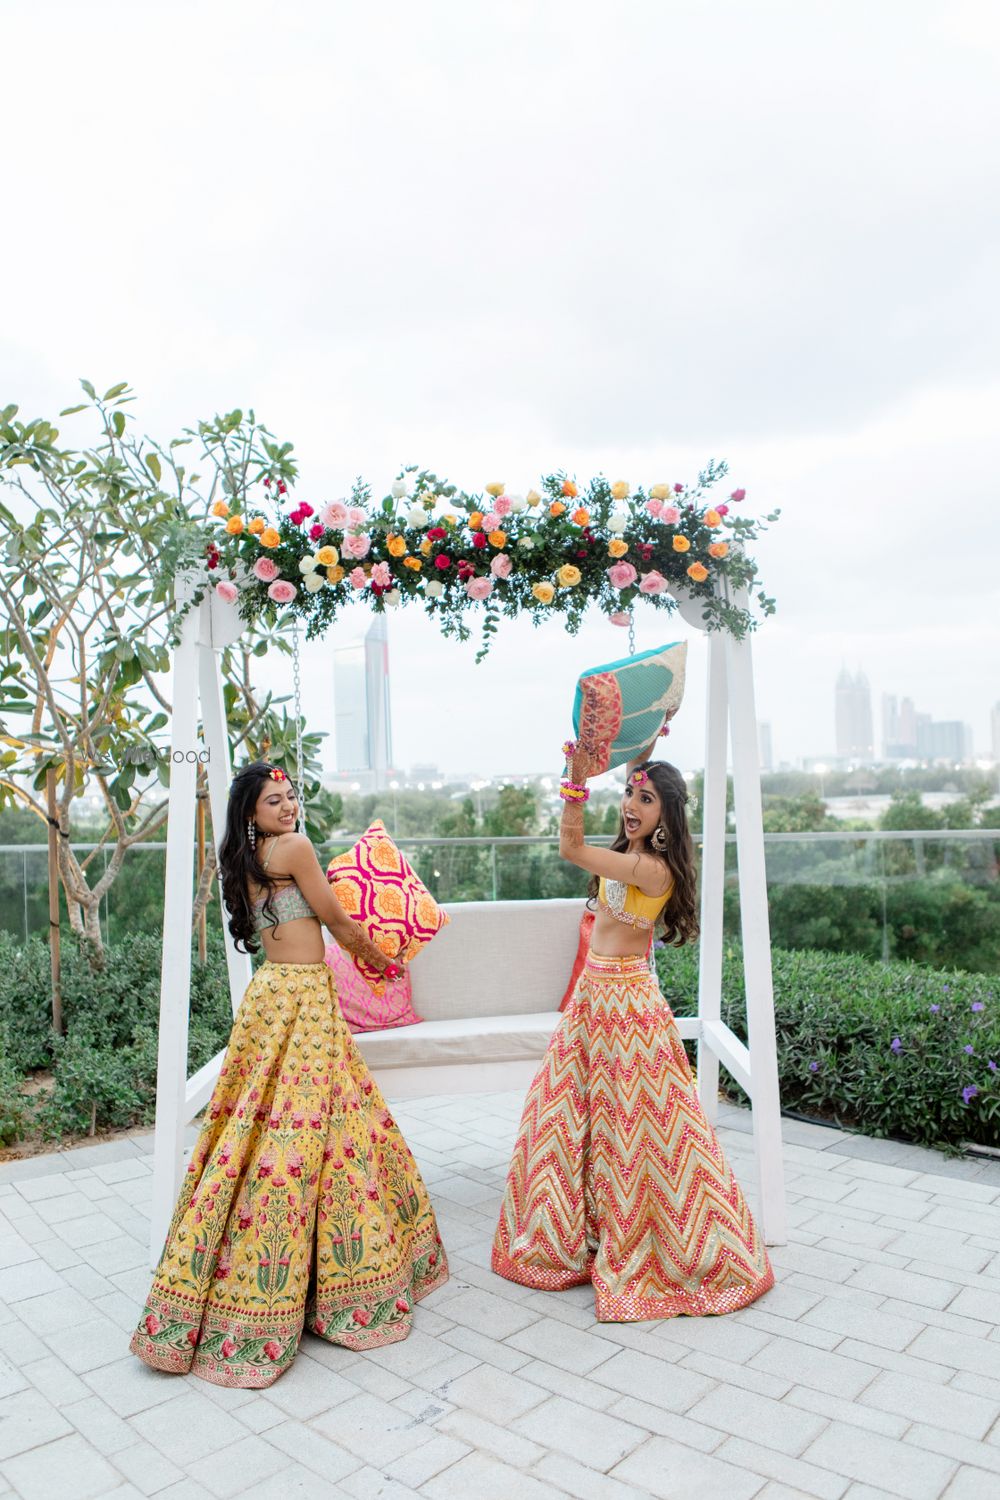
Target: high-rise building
column 899, row 728
column 361, row 706
column 945, row 739
column 853, row 715
column 765, row 745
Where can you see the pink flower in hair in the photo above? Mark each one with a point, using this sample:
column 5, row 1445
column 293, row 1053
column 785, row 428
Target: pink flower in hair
column 502, row 506
column 479, row 588
column 335, row 515
column 381, row 575
column 622, row 574
column 670, row 514
column 357, row 546
column 501, row 566
column 266, row 569
column 357, row 578
column 652, row 583
column 281, row 591
column 227, row 591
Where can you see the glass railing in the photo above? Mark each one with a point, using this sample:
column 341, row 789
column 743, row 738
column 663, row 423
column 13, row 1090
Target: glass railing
column 930, row 895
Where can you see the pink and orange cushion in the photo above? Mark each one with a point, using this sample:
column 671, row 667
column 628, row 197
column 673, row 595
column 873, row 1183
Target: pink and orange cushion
column 360, row 1007
column 379, row 889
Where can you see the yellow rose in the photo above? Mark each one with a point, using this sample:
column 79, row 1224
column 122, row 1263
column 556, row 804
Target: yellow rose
column 234, row 525
column 698, row 572
column 681, row 544
column 568, row 576
column 660, row 492
column 476, row 520
column 334, row 575
column 412, row 562
column 620, row 489
column 711, row 518
column 494, row 489
column 269, row 537
column 220, row 508
column 328, row 557
column 718, row 549
column 497, row 538
column 533, row 497
column 257, row 525
column 617, row 547
column 543, row 592
column 396, row 546
column 427, row 546
column 450, row 520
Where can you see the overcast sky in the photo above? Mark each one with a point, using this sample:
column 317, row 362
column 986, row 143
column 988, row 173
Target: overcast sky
column 496, row 240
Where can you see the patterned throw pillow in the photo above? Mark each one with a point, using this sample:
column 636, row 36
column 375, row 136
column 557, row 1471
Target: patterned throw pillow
column 360, row 1007
column 380, row 891
column 620, row 708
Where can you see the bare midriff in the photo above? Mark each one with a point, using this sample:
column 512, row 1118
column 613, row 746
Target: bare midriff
column 617, row 940
column 299, row 941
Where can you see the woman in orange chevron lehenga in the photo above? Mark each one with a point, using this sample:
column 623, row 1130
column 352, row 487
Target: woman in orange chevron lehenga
column 301, row 1205
column 617, row 1178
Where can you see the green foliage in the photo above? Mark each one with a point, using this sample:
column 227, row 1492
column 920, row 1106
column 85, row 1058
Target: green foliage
column 878, row 1047
column 13, row 1107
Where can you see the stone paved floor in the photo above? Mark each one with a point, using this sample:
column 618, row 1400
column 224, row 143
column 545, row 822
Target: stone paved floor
column 872, row 1369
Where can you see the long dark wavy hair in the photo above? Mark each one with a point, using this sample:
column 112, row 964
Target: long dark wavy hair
column 678, row 923
column 239, row 863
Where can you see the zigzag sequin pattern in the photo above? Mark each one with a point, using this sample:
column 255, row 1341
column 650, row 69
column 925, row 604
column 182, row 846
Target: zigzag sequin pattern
column 617, row 1177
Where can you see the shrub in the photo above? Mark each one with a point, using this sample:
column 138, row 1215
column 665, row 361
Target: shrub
column 878, row 1047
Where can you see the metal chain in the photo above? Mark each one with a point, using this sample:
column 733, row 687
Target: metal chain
column 297, row 689
column 631, row 635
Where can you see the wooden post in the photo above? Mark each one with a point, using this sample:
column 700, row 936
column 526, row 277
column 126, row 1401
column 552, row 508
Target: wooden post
column 713, row 873
column 55, row 957
column 200, row 836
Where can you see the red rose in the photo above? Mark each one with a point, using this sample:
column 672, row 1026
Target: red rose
column 437, row 533
column 228, row 1349
column 442, row 561
column 152, row 1324
column 272, row 1350
column 315, row 532
column 306, row 510
column 479, row 538
column 362, row 1316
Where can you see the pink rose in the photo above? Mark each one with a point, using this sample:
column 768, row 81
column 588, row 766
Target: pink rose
column 362, row 1316
column 315, row 532
column 355, row 516
column 622, row 574
column 670, row 514
column 678, row 489
column 152, row 1325
column 381, row 575
column 652, row 583
column 479, row 588
column 357, row 578
column 335, row 515
column 227, row 1348
column 491, row 521
column 723, row 510
column 501, row 566
column 503, row 505
column 357, row 546
column 272, row 1350
column 738, row 495
column 281, row 591
column 655, row 507
column 226, row 591
column 266, row 569
column 622, row 618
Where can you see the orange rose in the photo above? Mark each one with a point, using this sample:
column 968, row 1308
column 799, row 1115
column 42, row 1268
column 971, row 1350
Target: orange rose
column 334, row 575
column 581, row 517
column 718, row 549
column 396, row 546
column 257, row 525
column 427, row 546
column 617, row 547
column 412, row 562
column 681, row 544
column 220, row 508
column 711, row 518
column 269, row 537
column 497, row 538
column 557, row 508
column 476, row 520
column 698, row 572
column 234, row 525
column 569, row 489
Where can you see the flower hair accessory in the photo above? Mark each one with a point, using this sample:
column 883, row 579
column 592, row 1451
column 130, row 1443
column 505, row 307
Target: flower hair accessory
column 639, row 778
column 569, row 748
column 277, row 774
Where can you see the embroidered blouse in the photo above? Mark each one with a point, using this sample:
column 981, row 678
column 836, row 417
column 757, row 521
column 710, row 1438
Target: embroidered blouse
column 287, row 903
column 626, row 903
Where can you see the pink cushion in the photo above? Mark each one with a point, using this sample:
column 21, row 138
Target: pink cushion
column 380, row 890
column 361, row 1008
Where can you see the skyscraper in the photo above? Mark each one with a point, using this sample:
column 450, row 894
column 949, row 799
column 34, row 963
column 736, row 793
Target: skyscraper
column 361, row 705
column 853, row 714
column 899, row 728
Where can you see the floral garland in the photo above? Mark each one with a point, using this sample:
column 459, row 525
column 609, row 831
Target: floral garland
column 552, row 551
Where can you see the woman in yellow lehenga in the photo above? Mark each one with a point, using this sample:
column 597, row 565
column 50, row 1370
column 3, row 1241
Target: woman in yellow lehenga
column 302, row 1204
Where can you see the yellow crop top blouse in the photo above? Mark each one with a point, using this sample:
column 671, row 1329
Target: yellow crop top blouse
column 626, row 903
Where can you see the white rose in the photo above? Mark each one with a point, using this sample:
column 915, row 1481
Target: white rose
column 313, row 583
column 397, row 489
column 433, row 588
column 527, row 543
column 617, row 522
column 417, row 516
column 518, row 504
column 392, row 597
column 308, row 565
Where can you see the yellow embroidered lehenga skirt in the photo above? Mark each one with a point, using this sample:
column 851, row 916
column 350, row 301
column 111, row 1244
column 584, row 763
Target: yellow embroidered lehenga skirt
column 301, row 1205
column 617, row 1178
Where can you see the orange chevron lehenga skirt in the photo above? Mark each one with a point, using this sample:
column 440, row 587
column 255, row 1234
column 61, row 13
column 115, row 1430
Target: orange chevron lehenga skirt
column 617, row 1178
column 301, row 1205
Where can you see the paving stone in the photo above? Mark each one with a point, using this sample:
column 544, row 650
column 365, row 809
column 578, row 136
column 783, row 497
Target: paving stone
column 64, row 1208
column 904, row 1286
column 307, row 1388
column 84, row 1279
column 411, row 1355
column 366, row 1425
column 953, row 1445
column 941, row 1406
column 130, row 1168
column 147, row 1468
column 68, row 1468
column 913, row 1207
column 593, row 1437
column 771, row 1424
column 633, row 1374
column 670, row 1472
column 32, row 1279
column 494, row 1316
column 907, row 1363
column 881, row 1172
column 503, row 1443
column 486, row 1479
column 300, row 1483
column 970, row 1484
column 851, row 1412
column 130, row 1386
column 867, row 1457
column 872, row 1327
column 835, row 1373
column 51, row 1181
column 242, row 1465
column 558, row 1344
column 15, row 1250
column 730, row 1337
column 28, row 1420
column 815, row 1261
column 487, row 1391
column 187, row 1428
column 666, row 1424
column 261, row 1416
column 19, row 1345
column 85, row 1346
column 580, row 1482
column 120, row 1254
column 579, row 1388
column 975, row 1355
column 101, row 1427
column 416, row 1468
column 59, row 1308
column 51, row 1377
column 57, row 1254
column 503, row 1356
column 743, row 1377
column 311, row 1448
column 11, row 1379
column 378, row 1381
column 787, row 1328
column 802, row 1478
column 984, row 1305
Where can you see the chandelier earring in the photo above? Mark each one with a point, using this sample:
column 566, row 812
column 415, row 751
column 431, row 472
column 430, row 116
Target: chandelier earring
column 658, row 838
column 251, row 834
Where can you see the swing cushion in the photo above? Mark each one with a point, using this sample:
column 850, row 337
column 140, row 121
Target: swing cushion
column 360, row 1007
column 621, row 707
column 379, row 889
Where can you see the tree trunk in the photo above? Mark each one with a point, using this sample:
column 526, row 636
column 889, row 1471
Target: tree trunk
column 55, row 957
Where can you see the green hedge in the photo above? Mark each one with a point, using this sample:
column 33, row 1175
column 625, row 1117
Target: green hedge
column 878, row 1047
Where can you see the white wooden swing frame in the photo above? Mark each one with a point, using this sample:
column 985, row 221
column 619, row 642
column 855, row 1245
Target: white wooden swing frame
column 197, row 677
